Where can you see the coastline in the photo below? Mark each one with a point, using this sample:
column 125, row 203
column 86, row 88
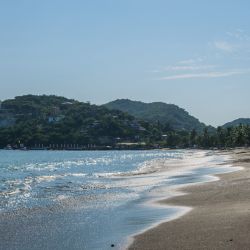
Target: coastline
column 219, row 218
column 140, row 216
column 34, row 227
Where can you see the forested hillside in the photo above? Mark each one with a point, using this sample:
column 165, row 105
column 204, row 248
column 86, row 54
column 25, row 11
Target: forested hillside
column 33, row 120
column 237, row 122
column 54, row 122
column 177, row 118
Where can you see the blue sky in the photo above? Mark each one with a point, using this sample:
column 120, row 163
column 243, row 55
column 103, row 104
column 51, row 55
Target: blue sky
column 192, row 53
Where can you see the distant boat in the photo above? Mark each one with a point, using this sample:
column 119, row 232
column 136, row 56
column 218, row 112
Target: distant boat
column 8, row 147
column 23, row 148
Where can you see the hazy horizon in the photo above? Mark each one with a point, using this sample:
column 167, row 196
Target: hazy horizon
column 195, row 55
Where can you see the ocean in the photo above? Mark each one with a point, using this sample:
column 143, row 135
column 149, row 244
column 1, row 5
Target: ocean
column 93, row 199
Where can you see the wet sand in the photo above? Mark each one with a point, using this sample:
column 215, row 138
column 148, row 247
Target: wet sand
column 220, row 218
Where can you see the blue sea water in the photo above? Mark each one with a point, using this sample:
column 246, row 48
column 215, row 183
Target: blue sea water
column 91, row 199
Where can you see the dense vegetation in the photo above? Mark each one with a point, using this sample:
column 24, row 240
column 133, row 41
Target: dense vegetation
column 47, row 120
column 230, row 137
column 237, row 122
column 58, row 122
column 177, row 118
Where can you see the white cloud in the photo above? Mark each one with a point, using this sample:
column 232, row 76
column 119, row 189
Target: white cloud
column 185, row 65
column 224, row 46
column 239, row 34
column 191, row 61
column 236, row 35
column 204, row 75
column 188, row 67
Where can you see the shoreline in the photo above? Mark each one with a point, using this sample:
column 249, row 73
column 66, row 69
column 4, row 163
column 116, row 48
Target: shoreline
column 111, row 148
column 46, row 216
column 196, row 169
column 211, row 204
column 180, row 191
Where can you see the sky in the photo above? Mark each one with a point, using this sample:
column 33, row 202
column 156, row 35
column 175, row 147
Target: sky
column 192, row 53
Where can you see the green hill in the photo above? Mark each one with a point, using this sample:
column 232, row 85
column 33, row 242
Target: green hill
column 34, row 120
column 59, row 123
column 237, row 122
column 176, row 117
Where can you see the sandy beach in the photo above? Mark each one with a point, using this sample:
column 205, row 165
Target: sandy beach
column 220, row 218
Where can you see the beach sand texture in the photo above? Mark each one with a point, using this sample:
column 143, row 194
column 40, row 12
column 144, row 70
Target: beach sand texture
column 220, row 218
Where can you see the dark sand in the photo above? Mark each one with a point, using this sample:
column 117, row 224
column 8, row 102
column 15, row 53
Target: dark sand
column 220, row 218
